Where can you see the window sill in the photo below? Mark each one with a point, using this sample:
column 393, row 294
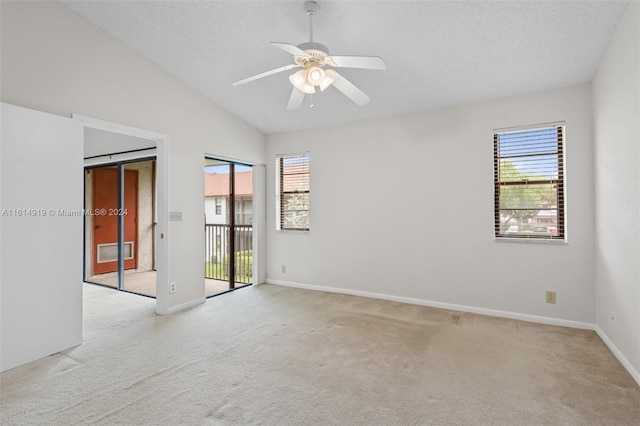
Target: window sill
column 529, row 240
column 292, row 231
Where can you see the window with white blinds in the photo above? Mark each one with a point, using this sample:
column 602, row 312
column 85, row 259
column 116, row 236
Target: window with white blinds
column 293, row 192
column 529, row 196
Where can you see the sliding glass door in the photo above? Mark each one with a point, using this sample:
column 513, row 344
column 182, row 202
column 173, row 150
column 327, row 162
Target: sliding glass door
column 228, row 226
column 119, row 226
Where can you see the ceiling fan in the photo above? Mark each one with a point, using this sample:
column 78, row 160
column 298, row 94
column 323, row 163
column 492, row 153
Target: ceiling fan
column 313, row 57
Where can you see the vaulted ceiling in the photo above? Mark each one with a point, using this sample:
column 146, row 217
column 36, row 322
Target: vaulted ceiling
column 438, row 53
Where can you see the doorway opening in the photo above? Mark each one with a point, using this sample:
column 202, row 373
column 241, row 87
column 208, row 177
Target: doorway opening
column 228, row 192
column 120, row 220
column 108, row 144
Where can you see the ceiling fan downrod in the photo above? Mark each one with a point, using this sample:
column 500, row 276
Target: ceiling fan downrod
column 313, row 49
column 311, row 8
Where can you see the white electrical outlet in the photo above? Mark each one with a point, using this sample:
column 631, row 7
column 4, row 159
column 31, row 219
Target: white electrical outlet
column 613, row 316
column 172, row 288
column 551, row 297
column 284, row 269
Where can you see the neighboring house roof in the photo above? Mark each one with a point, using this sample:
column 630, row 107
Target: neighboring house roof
column 217, row 185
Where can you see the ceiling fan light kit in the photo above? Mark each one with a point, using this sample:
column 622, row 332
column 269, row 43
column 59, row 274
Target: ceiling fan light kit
column 300, row 81
column 312, row 57
column 315, row 76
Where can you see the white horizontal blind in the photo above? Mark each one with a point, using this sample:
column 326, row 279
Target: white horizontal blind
column 529, row 183
column 293, row 192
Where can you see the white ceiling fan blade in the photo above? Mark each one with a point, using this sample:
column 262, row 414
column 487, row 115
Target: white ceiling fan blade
column 350, row 90
column 294, row 50
column 264, row 74
column 295, row 101
column 366, row 62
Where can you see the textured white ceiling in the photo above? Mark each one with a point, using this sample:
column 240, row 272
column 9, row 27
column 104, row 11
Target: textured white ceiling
column 437, row 52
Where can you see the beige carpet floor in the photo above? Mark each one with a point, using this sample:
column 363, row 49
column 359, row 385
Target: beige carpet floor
column 145, row 283
column 280, row 356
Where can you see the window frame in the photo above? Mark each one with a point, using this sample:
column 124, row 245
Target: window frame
column 280, row 193
column 559, row 182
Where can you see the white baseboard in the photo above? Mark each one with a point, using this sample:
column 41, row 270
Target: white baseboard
column 185, row 305
column 442, row 305
column 472, row 309
column 623, row 360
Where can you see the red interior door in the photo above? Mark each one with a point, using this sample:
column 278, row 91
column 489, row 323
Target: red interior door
column 105, row 223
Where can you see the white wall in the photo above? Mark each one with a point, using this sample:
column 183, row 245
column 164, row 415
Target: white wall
column 55, row 61
column 40, row 250
column 404, row 207
column 616, row 106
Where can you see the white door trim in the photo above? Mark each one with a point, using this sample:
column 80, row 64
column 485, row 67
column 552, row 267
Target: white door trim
column 162, row 188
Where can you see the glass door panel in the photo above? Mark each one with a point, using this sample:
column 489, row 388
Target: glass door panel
column 228, row 226
column 139, row 226
column 217, row 192
column 101, row 237
column 243, row 224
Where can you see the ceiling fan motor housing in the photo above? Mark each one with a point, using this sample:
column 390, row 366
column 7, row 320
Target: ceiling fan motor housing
column 318, row 53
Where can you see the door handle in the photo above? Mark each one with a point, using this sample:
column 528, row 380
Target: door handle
column 97, row 227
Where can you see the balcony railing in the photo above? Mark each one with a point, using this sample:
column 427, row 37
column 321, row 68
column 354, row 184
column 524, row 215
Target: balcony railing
column 217, row 238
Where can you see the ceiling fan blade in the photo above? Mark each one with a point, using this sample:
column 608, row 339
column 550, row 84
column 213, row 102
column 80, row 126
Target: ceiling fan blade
column 294, row 50
column 366, row 62
column 295, row 101
column 264, row 74
column 350, row 90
